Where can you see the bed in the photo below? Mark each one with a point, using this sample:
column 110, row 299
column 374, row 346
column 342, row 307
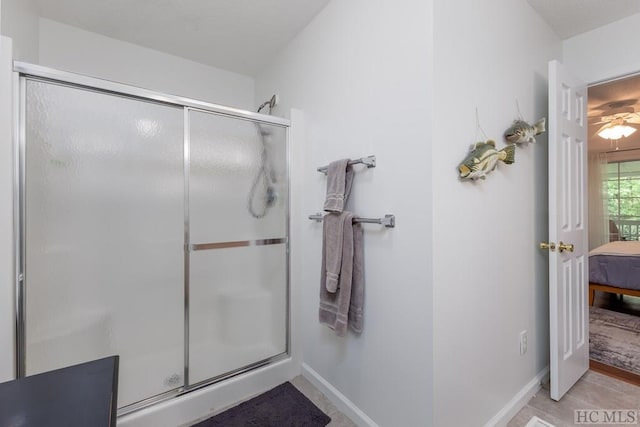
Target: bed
column 615, row 267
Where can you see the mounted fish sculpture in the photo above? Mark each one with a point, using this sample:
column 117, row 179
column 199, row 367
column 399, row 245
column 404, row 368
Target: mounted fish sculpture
column 521, row 131
column 483, row 158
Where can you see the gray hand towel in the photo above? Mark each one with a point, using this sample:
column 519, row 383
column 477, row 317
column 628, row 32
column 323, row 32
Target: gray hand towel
column 333, row 243
column 339, row 181
column 343, row 307
column 356, row 303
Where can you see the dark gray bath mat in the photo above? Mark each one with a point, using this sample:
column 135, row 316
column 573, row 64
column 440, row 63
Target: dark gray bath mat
column 614, row 339
column 283, row 406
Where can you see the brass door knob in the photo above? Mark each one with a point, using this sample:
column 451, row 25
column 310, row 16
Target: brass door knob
column 565, row 247
column 551, row 246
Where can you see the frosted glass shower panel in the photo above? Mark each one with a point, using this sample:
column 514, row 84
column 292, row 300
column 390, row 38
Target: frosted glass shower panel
column 237, row 294
column 238, row 309
column 238, row 179
column 104, row 235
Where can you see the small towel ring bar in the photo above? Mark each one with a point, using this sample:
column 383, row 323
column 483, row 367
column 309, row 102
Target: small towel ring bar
column 369, row 161
column 388, row 221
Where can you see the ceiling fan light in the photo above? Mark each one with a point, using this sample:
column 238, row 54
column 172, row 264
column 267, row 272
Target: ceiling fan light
column 616, row 132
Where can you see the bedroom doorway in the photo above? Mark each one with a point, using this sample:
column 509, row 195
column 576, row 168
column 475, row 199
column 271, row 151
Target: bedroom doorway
column 614, row 226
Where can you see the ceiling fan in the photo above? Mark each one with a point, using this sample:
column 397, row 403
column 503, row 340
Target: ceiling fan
column 616, row 119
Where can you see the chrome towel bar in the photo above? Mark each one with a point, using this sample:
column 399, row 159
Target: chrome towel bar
column 388, row 221
column 369, row 161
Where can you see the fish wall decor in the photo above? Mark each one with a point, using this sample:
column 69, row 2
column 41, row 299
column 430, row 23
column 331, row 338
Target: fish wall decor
column 521, row 131
column 483, row 158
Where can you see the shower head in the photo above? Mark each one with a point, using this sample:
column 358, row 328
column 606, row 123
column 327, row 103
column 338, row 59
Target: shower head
column 271, row 103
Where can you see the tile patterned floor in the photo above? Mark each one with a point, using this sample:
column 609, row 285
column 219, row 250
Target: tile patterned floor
column 592, row 391
column 338, row 419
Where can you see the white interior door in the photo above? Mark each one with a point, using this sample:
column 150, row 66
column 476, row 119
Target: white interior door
column 568, row 262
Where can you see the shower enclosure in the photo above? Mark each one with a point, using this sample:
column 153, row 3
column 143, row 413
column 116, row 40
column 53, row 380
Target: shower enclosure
column 134, row 235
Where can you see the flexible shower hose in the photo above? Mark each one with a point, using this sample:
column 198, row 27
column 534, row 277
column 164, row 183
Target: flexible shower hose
column 264, row 179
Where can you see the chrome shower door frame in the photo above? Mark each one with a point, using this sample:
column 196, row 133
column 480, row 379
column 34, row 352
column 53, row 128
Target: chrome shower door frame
column 24, row 72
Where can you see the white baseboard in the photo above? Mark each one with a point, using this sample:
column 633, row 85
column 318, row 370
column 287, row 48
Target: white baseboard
column 341, row 402
column 519, row 401
column 537, row 422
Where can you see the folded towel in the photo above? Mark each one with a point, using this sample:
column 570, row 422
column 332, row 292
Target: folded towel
column 342, row 307
column 339, row 181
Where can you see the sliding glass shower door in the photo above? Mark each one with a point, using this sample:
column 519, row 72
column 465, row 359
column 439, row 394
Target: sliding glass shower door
column 238, row 258
column 148, row 229
column 104, row 235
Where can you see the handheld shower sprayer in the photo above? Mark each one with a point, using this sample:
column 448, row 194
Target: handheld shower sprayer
column 265, row 177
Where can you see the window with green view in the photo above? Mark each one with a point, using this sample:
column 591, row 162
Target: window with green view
column 622, row 196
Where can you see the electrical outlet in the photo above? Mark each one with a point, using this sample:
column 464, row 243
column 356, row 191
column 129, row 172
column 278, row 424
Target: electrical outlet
column 523, row 342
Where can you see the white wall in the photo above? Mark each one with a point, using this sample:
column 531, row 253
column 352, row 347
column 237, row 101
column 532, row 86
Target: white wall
column 361, row 72
column 71, row 49
column 20, row 22
column 490, row 280
column 606, row 52
column 7, row 318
